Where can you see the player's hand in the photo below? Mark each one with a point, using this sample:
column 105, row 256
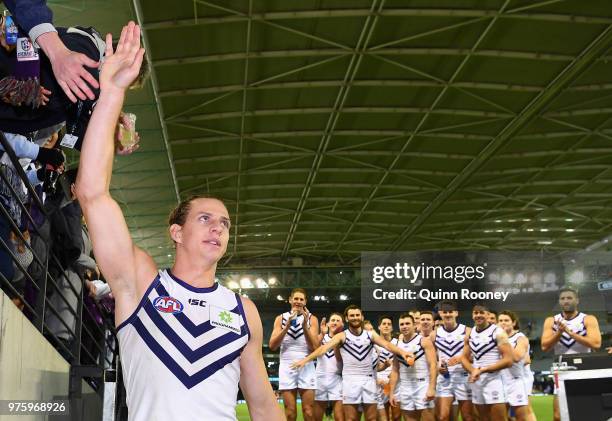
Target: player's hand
column 609, row 349
column 453, row 361
column 430, row 395
column 408, row 357
column 474, row 375
column 443, row 369
column 121, row 67
column 120, row 150
column 392, row 400
column 323, row 326
column 298, row 364
column 293, row 315
column 305, row 312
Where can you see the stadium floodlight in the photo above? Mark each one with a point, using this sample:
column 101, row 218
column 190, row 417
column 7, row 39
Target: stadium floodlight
column 233, row 285
column 246, row 283
column 260, row 283
column 570, row 230
column 576, row 276
column 280, row 298
column 317, row 298
column 343, row 297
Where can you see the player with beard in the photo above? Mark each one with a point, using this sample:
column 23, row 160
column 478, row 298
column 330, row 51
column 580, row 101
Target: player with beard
column 427, row 331
column 358, row 378
column 329, row 380
column 488, row 347
column 417, row 381
column 296, row 333
column 453, row 383
column 569, row 332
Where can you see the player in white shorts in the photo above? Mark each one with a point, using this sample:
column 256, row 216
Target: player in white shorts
column 426, row 326
column 417, row 377
column 452, row 382
column 517, row 394
column 358, row 377
column 488, row 349
column 569, row 332
column 296, row 333
column 329, row 380
column 385, row 410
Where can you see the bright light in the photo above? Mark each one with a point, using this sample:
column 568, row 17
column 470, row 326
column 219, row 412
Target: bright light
column 570, row 230
column 340, row 272
column 244, row 294
column 280, row 298
column 233, row 285
column 499, row 230
column 545, row 242
column 576, row 277
column 526, row 220
column 543, row 229
column 569, row 219
column 261, row 283
column 498, row 220
column 343, row 297
column 323, row 298
column 317, row 298
column 169, row 255
column 530, row 229
column 543, row 219
column 246, row 283
column 487, row 231
column 272, row 281
column 511, row 220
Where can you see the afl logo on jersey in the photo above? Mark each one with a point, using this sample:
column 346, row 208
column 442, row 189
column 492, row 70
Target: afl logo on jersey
column 168, row 305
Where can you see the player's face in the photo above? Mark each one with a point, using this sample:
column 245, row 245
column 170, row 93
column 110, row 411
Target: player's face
column 491, row 318
column 417, row 319
column 335, row 323
column 406, row 326
column 354, row 318
column 568, row 301
column 479, row 317
column 448, row 316
column 385, row 327
column 297, row 301
column 426, row 322
column 206, row 229
column 505, row 322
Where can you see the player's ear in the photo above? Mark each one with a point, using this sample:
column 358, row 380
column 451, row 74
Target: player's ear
column 176, row 233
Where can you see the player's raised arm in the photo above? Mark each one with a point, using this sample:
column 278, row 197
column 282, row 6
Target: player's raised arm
column 122, row 264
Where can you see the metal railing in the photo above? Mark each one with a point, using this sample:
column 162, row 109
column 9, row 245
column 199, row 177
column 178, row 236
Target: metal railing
column 52, row 295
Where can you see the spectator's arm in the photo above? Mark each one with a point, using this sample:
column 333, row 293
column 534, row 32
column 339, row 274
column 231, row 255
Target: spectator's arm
column 33, row 16
column 36, row 19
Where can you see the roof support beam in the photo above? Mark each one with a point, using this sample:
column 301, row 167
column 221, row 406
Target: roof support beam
column 595, row 49
column 351, row 73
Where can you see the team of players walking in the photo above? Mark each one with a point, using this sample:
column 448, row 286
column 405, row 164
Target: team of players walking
column 429, row 371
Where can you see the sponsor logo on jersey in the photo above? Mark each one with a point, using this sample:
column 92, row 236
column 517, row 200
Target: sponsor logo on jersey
column 224, row 319
column 168, row 305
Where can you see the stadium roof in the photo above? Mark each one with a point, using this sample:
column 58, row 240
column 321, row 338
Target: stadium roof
column 336, row 127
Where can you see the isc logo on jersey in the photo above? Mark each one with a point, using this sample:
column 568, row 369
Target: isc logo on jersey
column 168, row 305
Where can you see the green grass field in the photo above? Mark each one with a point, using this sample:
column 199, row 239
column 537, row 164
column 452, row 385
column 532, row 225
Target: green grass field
column 542, row 405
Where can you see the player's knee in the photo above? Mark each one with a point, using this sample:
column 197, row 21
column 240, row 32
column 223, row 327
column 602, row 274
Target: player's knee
column 307, row 410
column 290, row 413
